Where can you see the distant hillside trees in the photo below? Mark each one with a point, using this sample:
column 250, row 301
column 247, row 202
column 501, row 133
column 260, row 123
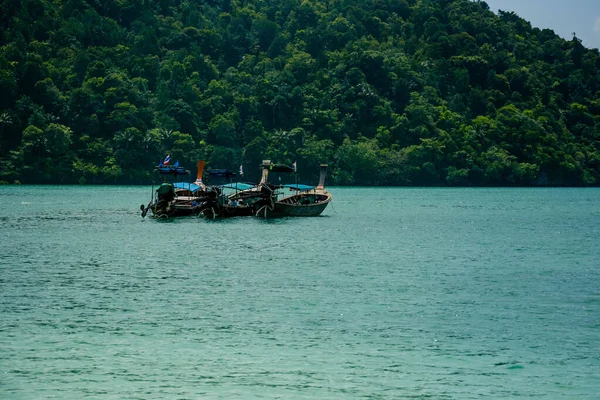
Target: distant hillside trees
column 388, row 92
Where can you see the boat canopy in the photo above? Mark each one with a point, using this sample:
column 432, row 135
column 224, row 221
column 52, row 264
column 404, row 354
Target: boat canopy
column 238, row 186
column 171, row 170
column 192, row 187
column 299, row 187
column 224, row 173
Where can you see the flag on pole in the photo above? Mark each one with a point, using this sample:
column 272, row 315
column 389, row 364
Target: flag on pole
column 176, row 164
column 241, row 170
column 167, row 160
column 294, row 165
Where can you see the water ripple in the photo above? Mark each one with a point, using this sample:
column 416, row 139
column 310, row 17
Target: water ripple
column 399, row 293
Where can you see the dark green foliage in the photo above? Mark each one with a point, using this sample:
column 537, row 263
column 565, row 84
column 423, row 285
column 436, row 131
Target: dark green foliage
column 388, row 92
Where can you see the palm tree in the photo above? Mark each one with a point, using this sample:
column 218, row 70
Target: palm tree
column 5, row 119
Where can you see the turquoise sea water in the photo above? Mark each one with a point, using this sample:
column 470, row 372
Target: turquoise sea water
column 394, row 293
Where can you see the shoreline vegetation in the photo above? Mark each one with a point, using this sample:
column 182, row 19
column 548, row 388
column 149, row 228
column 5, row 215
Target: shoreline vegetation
column 387, row 92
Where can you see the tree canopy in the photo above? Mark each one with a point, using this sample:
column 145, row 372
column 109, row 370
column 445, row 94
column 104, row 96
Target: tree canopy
column 388, row 92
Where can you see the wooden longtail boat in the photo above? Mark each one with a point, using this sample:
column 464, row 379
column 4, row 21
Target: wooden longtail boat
column 306, row 202
column 179, row 198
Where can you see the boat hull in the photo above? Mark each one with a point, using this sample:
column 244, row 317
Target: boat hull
column 172, row 211
column 179, row 207
column 309, row 204
column 289, row 210
column 236, row 211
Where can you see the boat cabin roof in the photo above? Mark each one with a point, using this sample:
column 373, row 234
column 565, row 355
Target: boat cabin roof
column 299, row 186
column 192, row 187
column 171, row 170
column 238, row 186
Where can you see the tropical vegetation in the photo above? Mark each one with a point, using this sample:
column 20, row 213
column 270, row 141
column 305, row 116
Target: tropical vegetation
column 387, row 92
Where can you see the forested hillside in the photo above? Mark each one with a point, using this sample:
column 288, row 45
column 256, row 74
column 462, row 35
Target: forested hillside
column 388, row 92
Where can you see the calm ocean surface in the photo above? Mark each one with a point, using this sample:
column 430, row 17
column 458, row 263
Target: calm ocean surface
column 394, row 293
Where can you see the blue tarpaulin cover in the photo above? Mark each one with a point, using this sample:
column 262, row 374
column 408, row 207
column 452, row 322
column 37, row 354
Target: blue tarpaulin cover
column 192, row 187
column 238, row 186
column 171, row 170
column 299, row 187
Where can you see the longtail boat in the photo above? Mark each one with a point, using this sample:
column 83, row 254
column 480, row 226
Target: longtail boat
column 307, row 201
column 176, row 199
column 225, row 205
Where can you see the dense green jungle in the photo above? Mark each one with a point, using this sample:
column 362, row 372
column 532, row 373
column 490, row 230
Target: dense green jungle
column 387, row 92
